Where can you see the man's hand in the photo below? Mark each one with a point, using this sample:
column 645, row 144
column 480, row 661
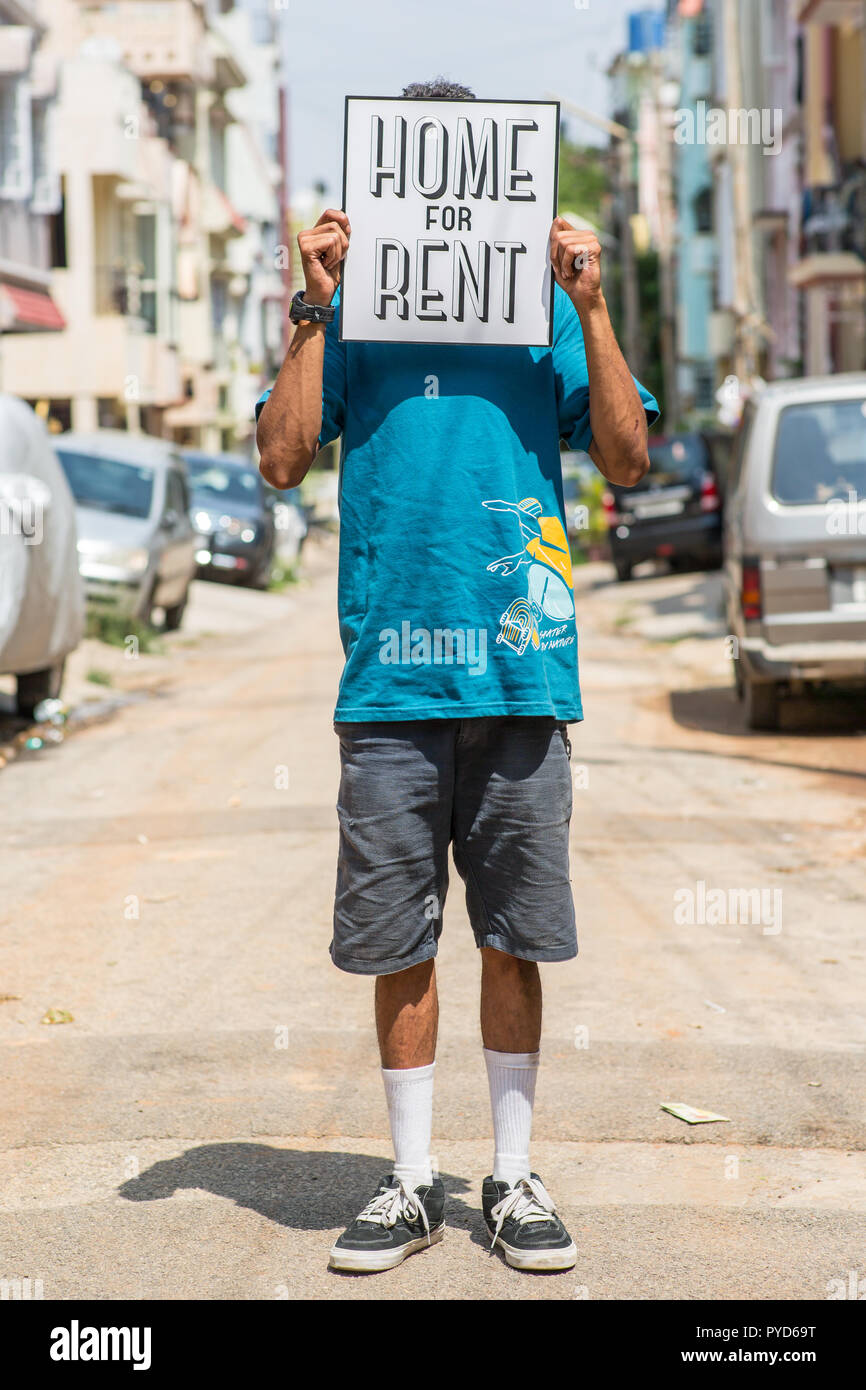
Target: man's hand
column 576, row 260
column 323, row 249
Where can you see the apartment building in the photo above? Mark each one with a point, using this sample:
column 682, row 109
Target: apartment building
column 153, row 294
column 830, row 271
column 29, row 186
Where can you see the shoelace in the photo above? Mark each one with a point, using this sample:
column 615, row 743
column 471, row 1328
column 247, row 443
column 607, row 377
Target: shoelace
column 528, row 1200
column 386, row 1208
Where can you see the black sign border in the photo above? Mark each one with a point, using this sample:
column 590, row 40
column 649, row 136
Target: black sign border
column 422, row 101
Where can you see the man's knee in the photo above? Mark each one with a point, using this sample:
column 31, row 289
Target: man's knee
column 495, row 962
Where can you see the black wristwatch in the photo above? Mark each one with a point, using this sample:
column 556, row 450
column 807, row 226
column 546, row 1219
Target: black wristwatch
column 300, row 312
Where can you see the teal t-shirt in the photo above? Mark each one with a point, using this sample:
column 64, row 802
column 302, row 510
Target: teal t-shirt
column 455, row 588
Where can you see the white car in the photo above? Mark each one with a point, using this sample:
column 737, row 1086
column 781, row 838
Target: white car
column 136, row 543
column 41, row 595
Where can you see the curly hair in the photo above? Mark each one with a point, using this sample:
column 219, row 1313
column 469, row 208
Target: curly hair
column 440, row 89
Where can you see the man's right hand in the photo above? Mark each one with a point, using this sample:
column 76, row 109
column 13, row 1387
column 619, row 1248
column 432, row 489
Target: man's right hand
column 322, row 249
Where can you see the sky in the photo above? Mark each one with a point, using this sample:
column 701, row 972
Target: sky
column 511, row 49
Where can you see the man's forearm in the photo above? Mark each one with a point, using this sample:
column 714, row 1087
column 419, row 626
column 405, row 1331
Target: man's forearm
column 616, row 412
column 291, row 418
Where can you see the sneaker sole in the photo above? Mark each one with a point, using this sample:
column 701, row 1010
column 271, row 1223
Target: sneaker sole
column 539, row 1259
column 375, row 1261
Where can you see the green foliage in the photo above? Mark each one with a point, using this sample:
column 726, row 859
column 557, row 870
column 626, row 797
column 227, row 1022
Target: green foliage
column 115, row 629
column 582, row 180
column 97, row 676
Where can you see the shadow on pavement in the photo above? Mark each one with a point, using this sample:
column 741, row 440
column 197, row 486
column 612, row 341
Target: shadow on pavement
column 717, row 710
column 299, row 1188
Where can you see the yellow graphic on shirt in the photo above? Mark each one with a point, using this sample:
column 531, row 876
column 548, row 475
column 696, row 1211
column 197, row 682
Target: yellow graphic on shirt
column 548, row 557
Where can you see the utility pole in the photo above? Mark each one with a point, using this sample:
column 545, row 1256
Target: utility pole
column 667, row 281
column 745, row 294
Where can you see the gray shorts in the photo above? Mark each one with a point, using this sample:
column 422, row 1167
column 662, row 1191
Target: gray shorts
column 499, row 791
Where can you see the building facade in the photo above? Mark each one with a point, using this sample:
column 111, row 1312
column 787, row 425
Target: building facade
column 157, row 261
column 29, row 186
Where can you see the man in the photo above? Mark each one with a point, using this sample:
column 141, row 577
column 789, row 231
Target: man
column 450, row 462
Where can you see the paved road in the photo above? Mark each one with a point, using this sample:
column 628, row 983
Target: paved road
column 214, row 1113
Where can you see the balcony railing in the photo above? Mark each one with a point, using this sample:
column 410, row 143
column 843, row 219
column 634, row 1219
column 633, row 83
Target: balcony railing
column 834, row 217
column 122, row 291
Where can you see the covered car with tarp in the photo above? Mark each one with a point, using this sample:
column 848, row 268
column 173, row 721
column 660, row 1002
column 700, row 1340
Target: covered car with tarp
column 41, row 595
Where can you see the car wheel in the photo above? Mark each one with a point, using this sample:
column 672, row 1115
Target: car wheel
column 762, row 704
column 37, row 686
column 261, row 577
column 144, row 612
column 623, row 571
column 174, row 615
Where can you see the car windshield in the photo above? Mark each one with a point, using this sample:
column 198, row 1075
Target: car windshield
column 572, row 487
column 676, row 460
column 820, row 452
column 108, row 485
column 211, row 480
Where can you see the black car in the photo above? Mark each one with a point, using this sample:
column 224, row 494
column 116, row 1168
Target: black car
column 232, row 511
column 674, row 513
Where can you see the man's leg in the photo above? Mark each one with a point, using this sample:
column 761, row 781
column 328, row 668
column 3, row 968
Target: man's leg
column 510, row 1002
column 511, row 1033
column 407, row 1018
column 392, row 878
column 512, row 807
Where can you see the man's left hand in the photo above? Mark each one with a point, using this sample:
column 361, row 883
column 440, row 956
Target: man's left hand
column 576, row 259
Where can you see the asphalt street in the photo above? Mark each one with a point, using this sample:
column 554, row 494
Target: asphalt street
column 213, row 1115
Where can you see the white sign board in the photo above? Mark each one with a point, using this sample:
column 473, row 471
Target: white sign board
column 450, row 205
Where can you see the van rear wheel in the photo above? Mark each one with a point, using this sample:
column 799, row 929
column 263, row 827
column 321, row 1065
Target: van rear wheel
column 36, row 686
column 762, row 704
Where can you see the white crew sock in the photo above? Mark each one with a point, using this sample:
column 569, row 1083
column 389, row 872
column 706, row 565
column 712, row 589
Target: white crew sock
column 409, row 1093
column 512, row 1095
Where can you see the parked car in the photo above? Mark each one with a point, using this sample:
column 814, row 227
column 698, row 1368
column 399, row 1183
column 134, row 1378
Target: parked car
column 41, row 594
column 579, row 475
column 674, row 513
column 292, row 522
column 136, row 544
column 233, row 514
column 795, row 541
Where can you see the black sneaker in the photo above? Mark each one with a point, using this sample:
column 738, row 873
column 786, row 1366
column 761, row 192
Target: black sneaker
column 523, row 1220
column 395, row 1223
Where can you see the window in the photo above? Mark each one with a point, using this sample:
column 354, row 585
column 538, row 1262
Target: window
column 215, row 482
column 46, row 184
column 175, row 494
column 702, row 36
column 705, row 380
column 107, row 485
column 57, row 232
column 703, row 210
column 16, row 171
column 820, row 453
column 145, row 234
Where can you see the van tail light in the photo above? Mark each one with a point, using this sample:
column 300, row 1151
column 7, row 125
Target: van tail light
column 611, row 515
column 710, row 499
column 750, row 593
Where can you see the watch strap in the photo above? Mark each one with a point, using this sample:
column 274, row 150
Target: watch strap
column 301, row 312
